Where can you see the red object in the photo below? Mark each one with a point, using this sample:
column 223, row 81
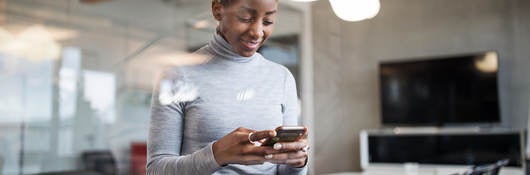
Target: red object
column 138, row 158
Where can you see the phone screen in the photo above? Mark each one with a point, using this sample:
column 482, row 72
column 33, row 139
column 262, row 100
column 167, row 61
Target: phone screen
column 286, row 134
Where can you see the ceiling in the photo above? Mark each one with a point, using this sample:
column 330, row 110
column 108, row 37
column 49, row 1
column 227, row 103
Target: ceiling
column 156, row 16
column 114, row 33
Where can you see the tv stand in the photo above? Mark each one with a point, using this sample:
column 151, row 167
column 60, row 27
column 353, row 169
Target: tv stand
column 441, row 149
column 422, row 130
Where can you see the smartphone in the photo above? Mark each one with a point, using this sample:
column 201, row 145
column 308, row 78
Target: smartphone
column 286, row 134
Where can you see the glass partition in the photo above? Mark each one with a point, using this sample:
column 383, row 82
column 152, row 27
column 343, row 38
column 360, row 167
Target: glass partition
column 76, row 77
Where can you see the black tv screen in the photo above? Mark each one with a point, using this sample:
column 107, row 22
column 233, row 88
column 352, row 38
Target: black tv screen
column 440, row 91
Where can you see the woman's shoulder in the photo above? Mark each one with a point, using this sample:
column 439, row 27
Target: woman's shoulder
column 204, row 50
column 279, row 68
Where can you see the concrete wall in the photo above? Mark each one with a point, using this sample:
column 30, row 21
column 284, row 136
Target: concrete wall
column 520, row 79
column 347, row 54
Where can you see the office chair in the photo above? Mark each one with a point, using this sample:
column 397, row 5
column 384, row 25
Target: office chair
column 100, row 161
column 488, row 169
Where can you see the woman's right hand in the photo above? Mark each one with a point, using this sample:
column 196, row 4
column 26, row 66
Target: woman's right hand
column 236, row 148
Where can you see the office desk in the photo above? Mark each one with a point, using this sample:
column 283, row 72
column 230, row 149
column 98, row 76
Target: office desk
column 423, row 172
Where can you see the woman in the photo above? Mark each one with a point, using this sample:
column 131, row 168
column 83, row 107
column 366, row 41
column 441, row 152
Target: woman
column 225, row 106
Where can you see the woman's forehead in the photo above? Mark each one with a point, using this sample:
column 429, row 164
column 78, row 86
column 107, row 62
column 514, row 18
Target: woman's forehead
column 266, row 5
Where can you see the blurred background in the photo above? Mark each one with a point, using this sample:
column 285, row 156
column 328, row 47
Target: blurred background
column 76, row 78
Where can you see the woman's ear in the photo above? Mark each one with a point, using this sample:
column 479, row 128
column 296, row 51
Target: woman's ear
column 217, row 9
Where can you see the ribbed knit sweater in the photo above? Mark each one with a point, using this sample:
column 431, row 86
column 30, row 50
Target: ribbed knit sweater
column 211, row 100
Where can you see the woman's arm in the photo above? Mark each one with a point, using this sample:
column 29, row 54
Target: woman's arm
column 290, row 117
column 165, row 140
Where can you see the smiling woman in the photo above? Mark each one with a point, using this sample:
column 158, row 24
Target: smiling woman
column 245, row 25
column 50, row 114
column 238, row 98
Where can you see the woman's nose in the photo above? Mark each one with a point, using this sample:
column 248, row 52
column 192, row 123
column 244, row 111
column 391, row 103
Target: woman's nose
column 256, row 30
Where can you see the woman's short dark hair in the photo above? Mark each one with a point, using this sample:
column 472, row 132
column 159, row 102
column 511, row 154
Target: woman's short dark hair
column 225, row 3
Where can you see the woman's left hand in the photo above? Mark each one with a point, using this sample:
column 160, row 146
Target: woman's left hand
column 293, row 154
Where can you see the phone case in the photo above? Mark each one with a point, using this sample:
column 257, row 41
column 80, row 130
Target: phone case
column 286, row 134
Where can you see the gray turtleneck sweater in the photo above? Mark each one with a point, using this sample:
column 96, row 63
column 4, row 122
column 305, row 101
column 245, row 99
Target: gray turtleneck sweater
column 211, row 100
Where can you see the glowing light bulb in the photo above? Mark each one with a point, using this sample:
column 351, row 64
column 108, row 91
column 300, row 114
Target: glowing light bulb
column 355, row 10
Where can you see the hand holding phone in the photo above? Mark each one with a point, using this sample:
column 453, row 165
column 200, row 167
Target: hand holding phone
column 286, row 134
column 293, row 148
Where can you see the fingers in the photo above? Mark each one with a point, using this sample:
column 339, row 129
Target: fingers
column 306, row 132
column 293, row 146
column 284, row 157
column 248, row 135
column 291, row 153
column 296, row 162
column 294, row 159
column 243, row 134
column 260, row 135
column 235, row 147
column 290, row 146
column 291, row 162
column 250, row 155
column 257, row 150
column 252, row 160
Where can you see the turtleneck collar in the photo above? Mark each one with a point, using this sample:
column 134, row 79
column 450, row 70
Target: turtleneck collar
column 221, row 47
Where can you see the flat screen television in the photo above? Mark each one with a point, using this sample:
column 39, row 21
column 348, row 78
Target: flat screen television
column 435, row 91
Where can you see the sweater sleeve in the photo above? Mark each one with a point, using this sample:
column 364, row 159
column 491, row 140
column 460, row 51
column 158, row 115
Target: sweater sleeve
column 290, row 107
column 290, row 117
column 165, row 140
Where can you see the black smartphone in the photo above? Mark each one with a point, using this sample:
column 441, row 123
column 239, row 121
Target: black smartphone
column 286, row 134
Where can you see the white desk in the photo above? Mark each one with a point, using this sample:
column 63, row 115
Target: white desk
column 507, row 171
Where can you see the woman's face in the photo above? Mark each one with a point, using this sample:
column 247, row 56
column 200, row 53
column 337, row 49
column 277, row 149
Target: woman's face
column 246, row 24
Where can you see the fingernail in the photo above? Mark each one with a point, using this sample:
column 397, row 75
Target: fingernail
column 268, row 156
column 277, row 146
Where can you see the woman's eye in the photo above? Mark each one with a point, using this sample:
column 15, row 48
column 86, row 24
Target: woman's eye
column 267, row 23
column 246, row 20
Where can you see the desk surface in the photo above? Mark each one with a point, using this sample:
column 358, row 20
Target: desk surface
column 502, row 172
column 346, row 173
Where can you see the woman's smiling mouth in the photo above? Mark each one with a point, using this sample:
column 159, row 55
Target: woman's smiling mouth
column 250, row 45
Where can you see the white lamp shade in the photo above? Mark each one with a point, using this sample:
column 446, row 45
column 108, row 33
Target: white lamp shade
column 355, row 10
